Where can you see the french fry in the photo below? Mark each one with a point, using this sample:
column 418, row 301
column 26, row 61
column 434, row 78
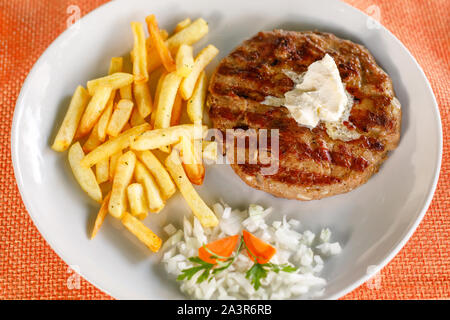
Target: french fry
column 154, row 199
column 153, row 58
column 159, row 44
column 186, row 149
column 197, row 146
column 158, row 138
column 189, row 35
column 201, row 61
column 93, row 141
column 166, row 99
column 162, row 177
column 119, row 117
column 136, row 200
column 71, row 120
column 154, row 61
column 115, row 65
column 157, row 92
column 182, row 24
column 144, row 234
column 164, row 34
column 102, row 171
column 126, row 127
column 113, row 145
column 101, row 215
column 162, row 74
column 103, row 122
column 136, row 118
column 126, row 92
column 209, row 150
column 114, row 81
column 192, row 165
column 198, row 206
column 113, row 164
column 94, row 110
column 122, row 178
column 139, row 53
column 151, row 50
column 176, row 110
column 143, row 98
column 184, row 60
column 196, row 102
column 84, row 176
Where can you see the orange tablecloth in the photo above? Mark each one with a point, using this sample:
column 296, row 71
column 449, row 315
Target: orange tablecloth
column 29, row 269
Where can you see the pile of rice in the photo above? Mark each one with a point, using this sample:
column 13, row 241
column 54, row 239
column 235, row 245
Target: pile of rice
column 303, row 250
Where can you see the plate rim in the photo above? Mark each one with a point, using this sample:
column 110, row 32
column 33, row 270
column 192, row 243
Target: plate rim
column 66, row 259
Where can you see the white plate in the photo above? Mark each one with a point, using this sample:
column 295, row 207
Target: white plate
column 372, row 222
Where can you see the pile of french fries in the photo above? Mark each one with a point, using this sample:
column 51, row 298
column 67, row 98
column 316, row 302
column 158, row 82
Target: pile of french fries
column 128, row 151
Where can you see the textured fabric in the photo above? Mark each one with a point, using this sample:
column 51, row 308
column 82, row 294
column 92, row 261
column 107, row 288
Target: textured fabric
column 29, row 269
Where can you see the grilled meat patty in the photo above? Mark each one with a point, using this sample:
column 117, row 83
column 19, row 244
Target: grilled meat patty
column 311, row 165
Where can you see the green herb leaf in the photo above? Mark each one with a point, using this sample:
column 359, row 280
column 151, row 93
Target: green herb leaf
column 189, row 273
column 255, row 274
column 281, row 267
column 260, row 271
column 222, row 266
column 204, row 276
column 199, row 261
column 289, row 269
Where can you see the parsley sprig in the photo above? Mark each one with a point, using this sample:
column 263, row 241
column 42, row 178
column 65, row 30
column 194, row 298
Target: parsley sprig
column 260, row 271
column 205, row 267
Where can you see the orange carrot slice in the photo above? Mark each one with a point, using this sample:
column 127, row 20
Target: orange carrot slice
column 223, row 247
column 158, row 43
column 258, row 248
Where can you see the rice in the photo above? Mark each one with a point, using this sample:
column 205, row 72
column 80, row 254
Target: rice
column 303, row 250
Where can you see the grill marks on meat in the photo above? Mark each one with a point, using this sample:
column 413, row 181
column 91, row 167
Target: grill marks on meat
column 293, row 176
column 312, row 165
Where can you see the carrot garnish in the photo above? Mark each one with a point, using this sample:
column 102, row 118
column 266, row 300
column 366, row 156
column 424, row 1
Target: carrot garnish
column 258, row 249
column 220, row 249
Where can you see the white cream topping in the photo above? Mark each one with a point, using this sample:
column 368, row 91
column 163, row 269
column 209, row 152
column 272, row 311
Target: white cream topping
column 318, row 95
